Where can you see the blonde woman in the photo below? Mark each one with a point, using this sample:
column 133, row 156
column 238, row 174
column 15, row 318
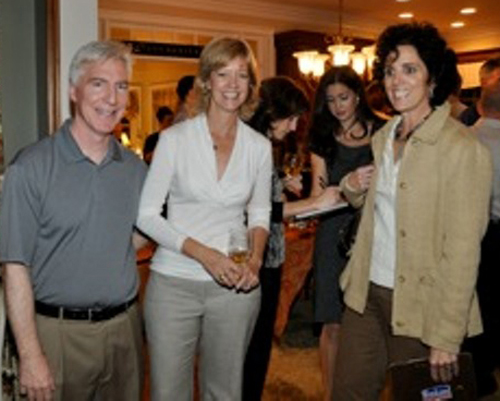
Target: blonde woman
column 215, row 170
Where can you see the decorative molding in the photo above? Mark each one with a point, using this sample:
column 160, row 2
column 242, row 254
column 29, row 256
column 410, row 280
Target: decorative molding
column 164, row 49
column 276, row 16
column 188, row 25
column 264, row 37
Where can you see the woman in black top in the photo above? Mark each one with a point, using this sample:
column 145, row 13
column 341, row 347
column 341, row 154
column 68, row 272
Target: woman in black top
column 341, row 128
column 281, row 103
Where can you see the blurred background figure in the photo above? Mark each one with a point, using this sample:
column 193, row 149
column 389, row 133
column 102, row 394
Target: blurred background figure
column 341, row 130
column 489, row 73
column 165, row 116
column 377, row 100
column 409, row 286
column 281, row 104
column 122, row 131
column 457, row 107
column 485, row 348
column 186, row 98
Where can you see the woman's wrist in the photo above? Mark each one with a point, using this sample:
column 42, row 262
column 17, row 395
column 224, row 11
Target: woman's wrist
column 255, row 262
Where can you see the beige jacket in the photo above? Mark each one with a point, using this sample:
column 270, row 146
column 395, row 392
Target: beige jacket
column 443, row 193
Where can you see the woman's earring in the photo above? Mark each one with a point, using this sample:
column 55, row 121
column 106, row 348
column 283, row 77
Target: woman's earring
column 431, row 91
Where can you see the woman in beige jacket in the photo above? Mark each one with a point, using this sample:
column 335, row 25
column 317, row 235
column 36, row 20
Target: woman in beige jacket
column 409, row 285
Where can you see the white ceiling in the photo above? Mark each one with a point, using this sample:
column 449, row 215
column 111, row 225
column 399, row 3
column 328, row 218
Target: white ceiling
column 363, row 18
column 482, row 30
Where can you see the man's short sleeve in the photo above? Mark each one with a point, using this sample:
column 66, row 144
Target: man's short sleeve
column 19, row 211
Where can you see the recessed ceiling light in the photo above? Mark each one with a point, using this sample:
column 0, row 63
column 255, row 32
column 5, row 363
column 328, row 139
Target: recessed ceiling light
column 402, row 1
column 457, row 24
column 468, row 10
column 405, row 15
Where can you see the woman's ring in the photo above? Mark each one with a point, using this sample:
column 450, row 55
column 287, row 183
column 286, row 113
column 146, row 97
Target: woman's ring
column 222, row 277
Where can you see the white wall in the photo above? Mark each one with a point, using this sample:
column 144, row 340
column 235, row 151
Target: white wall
column 78, row 25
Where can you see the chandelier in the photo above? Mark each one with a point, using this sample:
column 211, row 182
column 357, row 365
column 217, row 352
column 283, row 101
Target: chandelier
column 311, row 62
column 341, row 49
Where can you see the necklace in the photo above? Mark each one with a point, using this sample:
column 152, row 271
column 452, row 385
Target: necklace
column 399, row 129
column 227, row 132
column 347, row 133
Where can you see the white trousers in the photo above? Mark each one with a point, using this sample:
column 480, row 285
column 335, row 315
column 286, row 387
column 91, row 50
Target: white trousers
column 185, row 316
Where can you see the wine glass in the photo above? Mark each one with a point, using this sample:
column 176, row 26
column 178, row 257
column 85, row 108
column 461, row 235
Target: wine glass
column 292, row 164
column 238, row 249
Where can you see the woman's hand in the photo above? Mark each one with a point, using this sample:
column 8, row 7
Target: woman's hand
column 223, row 269
column 250, row 275
column 444, row 365
column 293, row 184
column 330, row 197
column 361, row 178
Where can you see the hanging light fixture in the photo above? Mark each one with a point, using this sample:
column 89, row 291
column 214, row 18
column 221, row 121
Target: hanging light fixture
column 369, row 52
column 358, row 62
column 340, row 50
column 306, row 60
column 311, row 62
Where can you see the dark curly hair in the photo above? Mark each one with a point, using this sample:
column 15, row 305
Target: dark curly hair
column 439, row 59
column 279, row 98
column 324, row 123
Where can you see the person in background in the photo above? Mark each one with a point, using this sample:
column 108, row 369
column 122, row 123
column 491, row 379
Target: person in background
column 409, row 286
column 341, row 130
column 186, row 98
column 165, row 116
column 377, row 100
column 281, row 104
column 457, row 107
column 121, row 131
column 216, row 171
column 69, row 206
column 485, row 348
column 489, row 73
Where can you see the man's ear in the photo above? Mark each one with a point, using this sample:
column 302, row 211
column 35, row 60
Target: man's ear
column 72, row 92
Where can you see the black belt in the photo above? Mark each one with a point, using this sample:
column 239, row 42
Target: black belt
column 91, row 315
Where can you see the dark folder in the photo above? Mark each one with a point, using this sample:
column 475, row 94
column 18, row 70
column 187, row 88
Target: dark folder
column 412, row 381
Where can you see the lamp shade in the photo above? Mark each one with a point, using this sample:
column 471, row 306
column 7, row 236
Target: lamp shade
column 319, row 64
column 369, row 52
column 340, row 53
column 306, row 60
column 358, row 62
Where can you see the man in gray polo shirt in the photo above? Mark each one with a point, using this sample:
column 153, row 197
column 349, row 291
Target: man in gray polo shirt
column 67, row 244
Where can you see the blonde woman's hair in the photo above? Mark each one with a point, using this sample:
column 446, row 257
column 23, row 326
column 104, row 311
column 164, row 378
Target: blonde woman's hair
column 217, row 54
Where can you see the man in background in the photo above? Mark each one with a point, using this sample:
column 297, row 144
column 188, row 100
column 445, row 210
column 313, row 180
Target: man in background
column 186, row 98
column 485, row 347
column 165, row 116
column 489, row 73
column 69, row 206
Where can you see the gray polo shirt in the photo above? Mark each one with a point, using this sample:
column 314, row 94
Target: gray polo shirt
column 71, row 221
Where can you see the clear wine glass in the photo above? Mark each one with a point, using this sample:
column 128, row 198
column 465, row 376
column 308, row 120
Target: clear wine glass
column 238, row 249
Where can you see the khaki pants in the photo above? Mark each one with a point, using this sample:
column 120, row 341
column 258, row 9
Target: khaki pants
column 367, row 347
column 186, row 316
column 98, row 361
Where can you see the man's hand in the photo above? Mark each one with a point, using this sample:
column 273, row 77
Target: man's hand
column 35, row 378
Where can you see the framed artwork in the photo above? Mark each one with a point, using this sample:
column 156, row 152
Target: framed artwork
column 162, row 95
column 133, row 115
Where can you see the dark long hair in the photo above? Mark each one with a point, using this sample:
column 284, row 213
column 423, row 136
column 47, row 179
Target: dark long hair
column 324, row 123
column 439, row 59
column 279, row 98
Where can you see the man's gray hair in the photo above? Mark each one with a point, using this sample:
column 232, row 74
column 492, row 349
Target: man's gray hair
column 96, row 51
